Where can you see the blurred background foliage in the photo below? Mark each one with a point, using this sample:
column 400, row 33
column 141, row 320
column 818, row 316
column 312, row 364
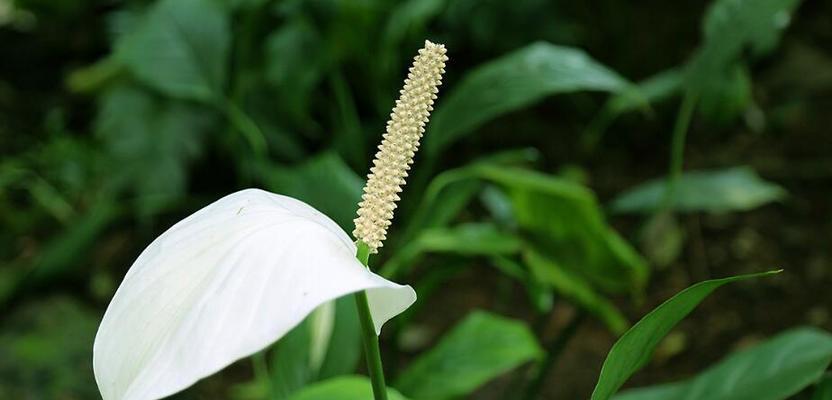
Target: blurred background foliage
column 551, row 184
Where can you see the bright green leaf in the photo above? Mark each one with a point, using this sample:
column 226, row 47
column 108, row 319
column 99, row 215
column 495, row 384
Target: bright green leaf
column 478, row 349
column 181, row 48
column 342, row 388
column 512, row 82
column 725, row 190
column 635, row 348
column 773, row 370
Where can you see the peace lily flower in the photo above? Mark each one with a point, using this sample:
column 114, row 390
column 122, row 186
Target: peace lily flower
column 234, row 277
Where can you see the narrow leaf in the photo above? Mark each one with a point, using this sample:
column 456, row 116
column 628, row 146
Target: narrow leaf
column 634, row 349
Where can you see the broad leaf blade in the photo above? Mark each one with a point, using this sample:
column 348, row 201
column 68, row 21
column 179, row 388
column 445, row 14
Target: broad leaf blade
column 180, row 48
column 716, row 191
column 634, row 349
column 773, row 370
column 565, row 218
column 512, row 82
column 478, row 349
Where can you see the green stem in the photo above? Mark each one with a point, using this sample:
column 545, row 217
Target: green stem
column 553, row 352
column 368, row 332
column 677, row 147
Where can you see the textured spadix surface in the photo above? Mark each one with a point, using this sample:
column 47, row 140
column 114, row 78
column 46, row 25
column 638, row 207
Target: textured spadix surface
column 223, row 284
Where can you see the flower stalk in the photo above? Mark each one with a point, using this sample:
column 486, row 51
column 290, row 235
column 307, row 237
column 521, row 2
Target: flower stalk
column 386, row 178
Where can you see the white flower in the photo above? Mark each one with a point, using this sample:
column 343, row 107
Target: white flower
column 225, row 283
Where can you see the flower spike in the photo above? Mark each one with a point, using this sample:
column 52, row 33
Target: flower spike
column 398, row 146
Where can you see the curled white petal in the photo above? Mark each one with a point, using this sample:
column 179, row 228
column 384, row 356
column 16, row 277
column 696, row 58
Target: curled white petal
column 223, row 284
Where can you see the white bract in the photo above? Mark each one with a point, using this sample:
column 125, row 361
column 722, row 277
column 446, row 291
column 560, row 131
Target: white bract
column 223, row 284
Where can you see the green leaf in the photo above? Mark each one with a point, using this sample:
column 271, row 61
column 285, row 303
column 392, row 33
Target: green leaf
column 469, row 239
column 716, row 191
column 325, row 182
column 290, row 365
column 512, row 82
column 824, row 389
column 181, row 48
column 634, row 349
column 565, row 219
column 298, row 357
column 342, row 388
column 152, row 142
column 472, row 239
column 295, row 64
column 344, row 347
column 773, row 370
column 480, row 348
column 731, row 26
column 572, row 287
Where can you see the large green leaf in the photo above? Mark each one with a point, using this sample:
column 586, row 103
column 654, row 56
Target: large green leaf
column 342, row 388
column 575, row 289
column 564, row 218
column 635, row 348
column 325, row 182
column 480, row 348
column 512, row 82
column 181, row 48
column 725, row 190
column 773, row 370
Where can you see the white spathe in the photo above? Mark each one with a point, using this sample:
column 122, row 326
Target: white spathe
column 222, row 284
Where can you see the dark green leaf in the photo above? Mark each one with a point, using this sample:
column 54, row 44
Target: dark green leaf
column 565, row 219
column 824, row 389
column 181, row 48
column 290, row 365
column 342, row 388
column 514, row 81
column 726, row 190
column 344, row 348
column 773, row 370
column 731, row 26
column 480, row 348
column 635, row 348
column 325, row 182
